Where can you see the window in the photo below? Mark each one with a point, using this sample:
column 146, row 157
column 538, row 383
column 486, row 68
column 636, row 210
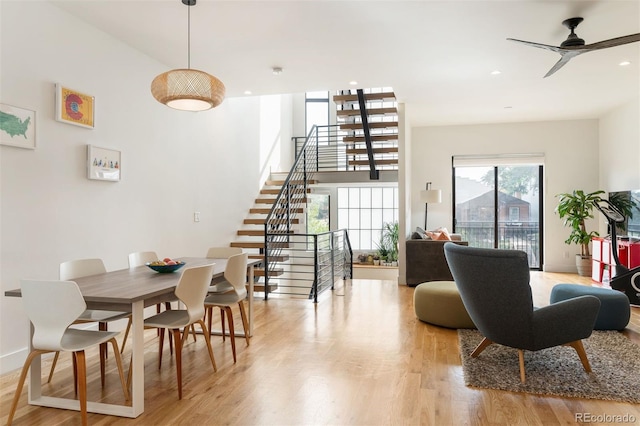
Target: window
column 316, row 110
column 364, row 211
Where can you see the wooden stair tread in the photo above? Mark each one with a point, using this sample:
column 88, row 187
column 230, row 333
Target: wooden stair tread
column 372, row 125
column 370, row 111
column 260, row 221
column 294, row 199
column 257, row 244
column 260, row 232
column 389, row 96
column 278, row 258
column 378, row 162
column 260, row 287
column 260, row 272
column 258, row 210
column 276, row 191
column 293, row 182
column 374, row 138
column 361, row 151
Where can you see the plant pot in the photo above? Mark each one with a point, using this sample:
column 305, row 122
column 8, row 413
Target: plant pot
column 584, row 265
column 376, row 262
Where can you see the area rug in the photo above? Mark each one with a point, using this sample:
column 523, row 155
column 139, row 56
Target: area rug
column 614, row 359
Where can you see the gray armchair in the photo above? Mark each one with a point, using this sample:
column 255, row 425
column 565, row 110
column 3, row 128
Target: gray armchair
column 494, row 286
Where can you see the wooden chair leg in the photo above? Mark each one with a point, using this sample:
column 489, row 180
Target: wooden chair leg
column 130, row 374
column 125, row 388
column 102, row 326
column 178, row 341
column 126, row 335
column 232, row 334
column 222, row 321
column 245, row 323
column 521, row 360
column 82, row 384
column 23, row 376
column 161, row 346
column 481, row 347
column 208, row 313
column 577, row 345
column 53, row 366
column 193, row 332
column 207, row 338
column 75, row 374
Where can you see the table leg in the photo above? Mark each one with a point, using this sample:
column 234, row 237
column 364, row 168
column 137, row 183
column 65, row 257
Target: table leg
column 250, row 296
column 137, row 364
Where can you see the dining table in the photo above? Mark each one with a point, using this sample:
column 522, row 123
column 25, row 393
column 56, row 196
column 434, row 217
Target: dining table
column 128, row 290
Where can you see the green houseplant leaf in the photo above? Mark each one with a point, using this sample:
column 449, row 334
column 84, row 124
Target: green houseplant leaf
column 574, row 208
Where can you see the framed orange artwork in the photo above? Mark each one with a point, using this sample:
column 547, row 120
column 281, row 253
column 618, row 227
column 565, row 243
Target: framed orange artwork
column 73, row 107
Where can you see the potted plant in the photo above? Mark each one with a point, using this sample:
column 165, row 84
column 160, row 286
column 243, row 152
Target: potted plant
column 390, row 236
column 574, row 208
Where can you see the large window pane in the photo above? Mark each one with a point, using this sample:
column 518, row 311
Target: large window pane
column 364, row 211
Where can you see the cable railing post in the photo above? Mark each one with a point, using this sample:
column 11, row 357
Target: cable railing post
column 315, row 268
column 333, row 263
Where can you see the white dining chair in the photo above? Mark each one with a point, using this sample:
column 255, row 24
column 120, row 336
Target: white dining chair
column 221, row 285
column 136, row 259
column 83, row 268
column 52, row 306
column 236, row 274
column 191, row 291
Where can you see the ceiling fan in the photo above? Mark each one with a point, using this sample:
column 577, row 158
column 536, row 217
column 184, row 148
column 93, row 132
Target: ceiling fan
column 574, row 45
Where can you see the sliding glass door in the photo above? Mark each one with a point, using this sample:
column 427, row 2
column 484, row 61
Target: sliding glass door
column 500, row 207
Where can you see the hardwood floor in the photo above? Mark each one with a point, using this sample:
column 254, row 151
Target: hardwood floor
column 358, row 357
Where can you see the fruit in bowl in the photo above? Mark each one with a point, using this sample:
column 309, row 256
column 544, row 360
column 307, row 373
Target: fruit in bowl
column 165, row 265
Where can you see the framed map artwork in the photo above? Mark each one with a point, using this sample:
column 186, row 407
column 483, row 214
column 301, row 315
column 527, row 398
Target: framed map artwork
column 103, row 163
column 73, row 107
column 17, row 127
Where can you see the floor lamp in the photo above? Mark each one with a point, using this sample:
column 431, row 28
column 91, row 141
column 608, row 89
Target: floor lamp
column 429, row 196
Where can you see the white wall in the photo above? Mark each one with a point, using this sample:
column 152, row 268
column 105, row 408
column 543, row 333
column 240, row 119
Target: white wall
column 571, row 162
column 173, row 162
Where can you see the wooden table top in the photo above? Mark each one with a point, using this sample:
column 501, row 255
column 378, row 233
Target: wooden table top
column 126, row 286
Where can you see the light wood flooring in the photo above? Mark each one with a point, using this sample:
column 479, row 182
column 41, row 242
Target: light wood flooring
column 358, row 357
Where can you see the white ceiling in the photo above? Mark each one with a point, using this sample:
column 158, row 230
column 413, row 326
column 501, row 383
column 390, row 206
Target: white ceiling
column 437, row 55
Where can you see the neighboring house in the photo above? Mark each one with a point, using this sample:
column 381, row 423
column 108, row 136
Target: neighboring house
column 480, row 209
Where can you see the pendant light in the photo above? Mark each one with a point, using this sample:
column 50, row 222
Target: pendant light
column 188, row 89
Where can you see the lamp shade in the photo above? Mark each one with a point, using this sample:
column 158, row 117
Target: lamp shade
column 188, row 90
column 431, row 196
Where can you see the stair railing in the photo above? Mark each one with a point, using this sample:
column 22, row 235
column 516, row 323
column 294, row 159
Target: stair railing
column 288, row 203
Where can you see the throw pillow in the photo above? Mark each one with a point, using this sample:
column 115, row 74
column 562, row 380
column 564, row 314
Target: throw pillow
column 444, row 234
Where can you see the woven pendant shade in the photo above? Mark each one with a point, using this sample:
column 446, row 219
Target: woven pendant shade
column 188, row 89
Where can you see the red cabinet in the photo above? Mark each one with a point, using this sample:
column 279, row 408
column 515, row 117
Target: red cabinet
column 628, row 252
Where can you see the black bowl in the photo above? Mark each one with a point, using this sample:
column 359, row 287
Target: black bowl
column 165, row 268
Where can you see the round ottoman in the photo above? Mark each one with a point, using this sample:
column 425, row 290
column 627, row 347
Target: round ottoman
column 615, row 310
column 439, row 303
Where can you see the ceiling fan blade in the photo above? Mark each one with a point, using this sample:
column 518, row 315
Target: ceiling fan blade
column 561, row 63
column 540, row 45
column 613, row 42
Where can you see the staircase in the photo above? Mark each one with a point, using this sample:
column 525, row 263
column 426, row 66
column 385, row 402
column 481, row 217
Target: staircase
column 252, row 234
column 371, row 122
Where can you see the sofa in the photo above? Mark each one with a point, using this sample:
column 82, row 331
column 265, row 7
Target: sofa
column 426, row 261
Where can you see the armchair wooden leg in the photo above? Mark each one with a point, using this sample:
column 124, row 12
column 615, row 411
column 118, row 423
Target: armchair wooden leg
column 481, row 347
column 577, row 345
column 521, row 359
column 160, row 348
column 23, row 376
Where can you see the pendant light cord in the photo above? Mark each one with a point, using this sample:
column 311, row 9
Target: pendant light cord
column 189, row 37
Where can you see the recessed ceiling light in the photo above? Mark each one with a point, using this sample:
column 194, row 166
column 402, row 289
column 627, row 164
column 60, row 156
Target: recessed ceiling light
column 247, row 92
column 624, row 63
column 508, row 107
column 276, row 70
column 496, row 72
column 353, row 82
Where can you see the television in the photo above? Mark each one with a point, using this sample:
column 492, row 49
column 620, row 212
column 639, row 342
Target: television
column 631, row 226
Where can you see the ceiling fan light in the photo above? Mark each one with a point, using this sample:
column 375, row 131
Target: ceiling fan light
column 188, row 90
